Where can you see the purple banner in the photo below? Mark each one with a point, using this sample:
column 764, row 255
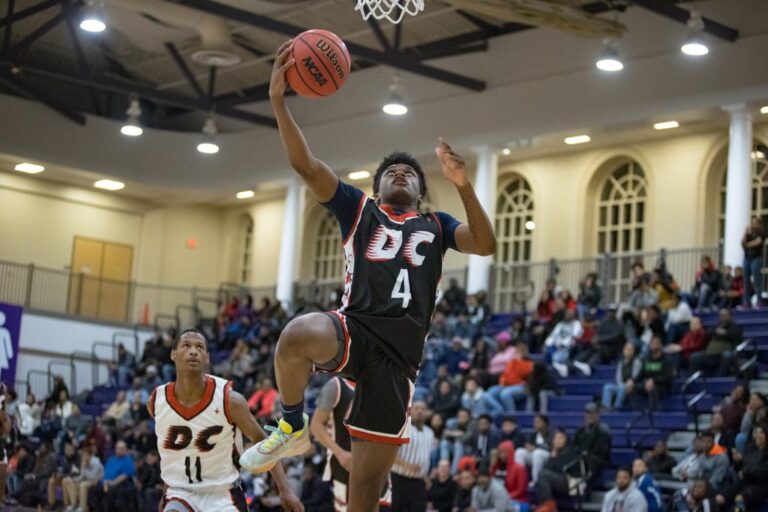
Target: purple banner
column 10, row 328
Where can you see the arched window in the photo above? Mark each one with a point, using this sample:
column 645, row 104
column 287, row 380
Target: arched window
column 621, row 210
column 759, row 190
column 329, row 254
column 245, row 259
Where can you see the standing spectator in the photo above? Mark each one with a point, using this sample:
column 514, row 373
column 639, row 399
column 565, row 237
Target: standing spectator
column 627, row 372
column 478, row 401
column 707, row 284
column 752, row 242
column 489, row 494
column 463, row 500
column 752, row 472
column 718, row 354
column 443, row 489
column 659, row 461
column 536, row 450
column 512, row 382
column 76, row 485
column 123, row 368
column 482, row 439
column 149, row 483
column 561, row 340
column 657, row 373
column 262, row 401
column 589, row 296
column 111, row 493
column 553, row 479
column 647, row 486
column 678, row 319
column 511, row 474
column 456, row 297
column 594, row 439
column 409, row 492
column 608, row 340
column 625, row 495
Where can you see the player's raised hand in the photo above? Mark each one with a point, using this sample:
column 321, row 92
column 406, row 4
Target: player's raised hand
column 453, row 165
column 283, row 61
column 290, row 502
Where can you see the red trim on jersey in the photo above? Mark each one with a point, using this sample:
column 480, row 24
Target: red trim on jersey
column 227, row 390
column 180, row 500
column 347, row 342
column 357, row 219
column 397, row 217
column 151, row 403
column 439, row 227
column 190, row 412
column 373, row 436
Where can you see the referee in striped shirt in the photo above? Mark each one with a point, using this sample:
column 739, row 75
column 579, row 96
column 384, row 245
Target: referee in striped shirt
column 409, row 473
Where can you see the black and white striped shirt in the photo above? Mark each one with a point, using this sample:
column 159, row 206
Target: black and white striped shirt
column 416, row 452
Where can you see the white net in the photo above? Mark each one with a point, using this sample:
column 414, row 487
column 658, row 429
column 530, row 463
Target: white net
column 393, row 10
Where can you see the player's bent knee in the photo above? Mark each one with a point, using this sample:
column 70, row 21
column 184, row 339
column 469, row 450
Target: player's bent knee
column 312, row 336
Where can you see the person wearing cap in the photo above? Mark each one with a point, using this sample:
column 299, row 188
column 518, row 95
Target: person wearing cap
column 594, row 439
column 624, row 497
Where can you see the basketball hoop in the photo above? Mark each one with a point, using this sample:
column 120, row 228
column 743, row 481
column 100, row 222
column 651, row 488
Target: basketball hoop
column 393, row 10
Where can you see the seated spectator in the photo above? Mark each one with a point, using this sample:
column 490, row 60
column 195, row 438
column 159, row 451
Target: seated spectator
column 547, row 306
column 122, row 370
column 138, row 412
column 553, row 479
column 478, row 401
column 482, row 439
column 723, row 439
column 511, row 385
column 608, row 340
column 731, row 292
column 698, row 498
column 718, row 356
column 627, row 373
column 647, row 486
column 480, row 360
column 25, row 465
column 119, row 410
column 439, row 327
column 315, row 494
column 590, row 295
column 35, row 482
column 76, row 485
column 441, row 494
column 657, row 373
column 651, row 324
column 693, row 342
column 754, row 414
column 625, row 496
column 707, row 284
column 447, row 399
column 535, row 452
column 452, row 444
column 659, row 461
column 489, row 494
column 478, row 311
column 112, row 493
column 594, row 440
column 262, row 401
column 505, row 353
column 67, row 464
column 513, row 475
column 642, row 297
column 664, row 289
column 137, row 388
column 561, row 340
column 678, row 319
column 703, row 463
column 463, row 500
column 541, row 384
column 29, row 415
column 63, row 406
column 733, row 408
column 752, row 472
column 149, row 483
column 568, row 300
column 511, row 432
column 456, row 359
column 455, row 297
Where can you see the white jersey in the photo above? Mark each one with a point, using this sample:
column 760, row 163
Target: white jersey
column 199, row 445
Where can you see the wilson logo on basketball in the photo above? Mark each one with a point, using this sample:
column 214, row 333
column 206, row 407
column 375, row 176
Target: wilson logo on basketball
column 313, row 70
column 333, row 57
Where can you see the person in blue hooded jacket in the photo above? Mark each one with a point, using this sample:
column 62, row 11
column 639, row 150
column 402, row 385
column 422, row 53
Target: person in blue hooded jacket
column 647, row 485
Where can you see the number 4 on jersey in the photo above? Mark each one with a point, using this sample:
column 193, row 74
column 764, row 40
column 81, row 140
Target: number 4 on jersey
column 402, row 289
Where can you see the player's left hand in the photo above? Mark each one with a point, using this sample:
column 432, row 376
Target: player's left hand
column 290, row 502
column 453, row 165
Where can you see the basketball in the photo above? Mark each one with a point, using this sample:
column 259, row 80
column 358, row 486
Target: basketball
column 322, row 64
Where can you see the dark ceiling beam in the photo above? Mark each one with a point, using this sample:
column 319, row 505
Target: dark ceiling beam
column 39, row 32
column 245, row 45
column 17, row 85
column 9, row 27
column 181, row 63
column 398, row 35
column 477, row 21
column 382, row 38
column 29, row 11
column 668, row 9
column 393, row 59
column 211, row 84
column 146, row 91
column 81, row 60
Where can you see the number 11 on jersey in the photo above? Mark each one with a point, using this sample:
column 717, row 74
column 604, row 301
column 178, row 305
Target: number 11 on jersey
column 402, row 289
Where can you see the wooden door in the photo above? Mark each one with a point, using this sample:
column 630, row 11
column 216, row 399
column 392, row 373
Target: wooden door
column 87, row 256
column 115, row 281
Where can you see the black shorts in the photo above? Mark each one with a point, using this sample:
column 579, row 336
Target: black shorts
column 383, row 391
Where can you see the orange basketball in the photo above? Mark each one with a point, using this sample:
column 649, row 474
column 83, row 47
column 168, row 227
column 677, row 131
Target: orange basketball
column 322, row 64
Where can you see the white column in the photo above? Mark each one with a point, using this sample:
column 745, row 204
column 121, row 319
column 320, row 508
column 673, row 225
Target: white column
column 738, row 192
column 288, row 252
column 479, row 271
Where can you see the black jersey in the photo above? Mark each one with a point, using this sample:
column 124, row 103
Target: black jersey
column 345, row 396
column 394, row 262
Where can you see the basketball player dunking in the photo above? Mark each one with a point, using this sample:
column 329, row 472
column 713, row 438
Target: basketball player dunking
column 199, row 422
column 394, row 259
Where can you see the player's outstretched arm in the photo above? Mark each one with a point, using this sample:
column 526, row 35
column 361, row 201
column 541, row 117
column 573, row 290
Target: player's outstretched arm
column 241, row 416
column 316, row 174
column 476, row 236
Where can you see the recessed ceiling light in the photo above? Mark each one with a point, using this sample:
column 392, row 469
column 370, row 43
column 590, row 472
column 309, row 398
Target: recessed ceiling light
column 530, row 225
column 577, row 139
column 245, row 194
column 764, row 110
column 109, row 185
column 359, row 175
column 506, row 151
column 666, row 125
column 29, row 168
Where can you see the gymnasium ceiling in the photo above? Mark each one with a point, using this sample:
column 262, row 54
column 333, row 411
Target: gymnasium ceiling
column 478, row 71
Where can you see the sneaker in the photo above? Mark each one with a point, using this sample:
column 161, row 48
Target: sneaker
column 561, row 369
column 282, row 443
column 583, row 368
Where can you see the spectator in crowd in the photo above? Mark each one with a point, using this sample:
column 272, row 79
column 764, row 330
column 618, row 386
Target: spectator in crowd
column 25, row 465
column 590, row 295
column 512, row 385
column 693, row 341
column 67, row 464
column 456, row 359
column 112, row 493
column 237, row 366
column 35, row 482
column 409, row 492
column 753, row 415
column 119, row 410
column 698, row 498
column 627, row 373
column 480, row 360
column 568, row 301
column 707, row 284
column 547, row 305
column 657, row 373
column 478, row 311
column 752, row 242
column 660, row 463
column 90, row 472
column 643, row 297
column 506, row 352
column 58, row 385
column 463, row 500
column 638, row 275
column 608, row 340
column 447, row 399
column 137, row 388
column 731, row 290
column 63, row 406
column 316, row 494
column 439, row 327
column 149, row 483
column 541, row 384
column 625, row 496
column 489, row 494
column 721, row 438
column 553, row 479
column 137, row 412
column 733, row 409
column 535, row 452
column 594, row 440
column 29, row 415
column 718, row 356
column 561, row 340
column 478, row 401
column 262, row 401
column 647, row 486
column 751, row 469
column 511, row 432
column 452, row 443
column 678, row 319
column 482, row 438
column 513, row 475
column 651, row 324
column 455, row 297
column 664, row 288
column 703, row 463
column 123, row 368
column 442, row 489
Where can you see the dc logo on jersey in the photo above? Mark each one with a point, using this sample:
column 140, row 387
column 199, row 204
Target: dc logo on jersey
column 386, row 243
